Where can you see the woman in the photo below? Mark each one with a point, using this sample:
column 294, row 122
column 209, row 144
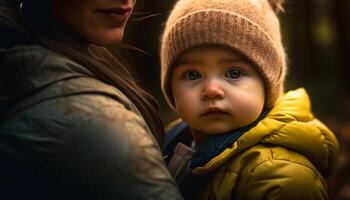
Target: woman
column 74, row 124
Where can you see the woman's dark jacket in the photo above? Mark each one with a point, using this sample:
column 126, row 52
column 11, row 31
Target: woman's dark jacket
column 71, row 136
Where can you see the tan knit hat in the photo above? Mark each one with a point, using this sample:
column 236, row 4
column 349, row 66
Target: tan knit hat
column 250, row 27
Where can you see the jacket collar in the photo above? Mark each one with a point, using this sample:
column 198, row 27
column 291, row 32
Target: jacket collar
column 290, row 124
column 218, row 143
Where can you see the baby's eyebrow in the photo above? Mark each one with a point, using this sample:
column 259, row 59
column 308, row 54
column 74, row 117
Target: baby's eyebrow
column 196, row 62
column 187, row 62
column 231, row 60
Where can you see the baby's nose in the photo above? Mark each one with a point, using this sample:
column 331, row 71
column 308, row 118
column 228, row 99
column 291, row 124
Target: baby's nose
column 213, row 91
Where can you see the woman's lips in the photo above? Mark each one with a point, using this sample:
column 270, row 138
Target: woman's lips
column 118, row 15
column 117, row 11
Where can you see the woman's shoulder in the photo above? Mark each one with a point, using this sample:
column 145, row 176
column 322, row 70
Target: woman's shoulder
column 55, row 100
column 44, row 77
column 71, row 101
column 36, row 60
column 71, row 132
column 49, row 124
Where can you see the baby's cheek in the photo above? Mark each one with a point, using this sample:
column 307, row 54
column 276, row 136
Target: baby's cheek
column 185, row 112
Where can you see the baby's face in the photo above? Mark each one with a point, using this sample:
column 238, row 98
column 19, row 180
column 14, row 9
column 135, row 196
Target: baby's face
column 216, row 90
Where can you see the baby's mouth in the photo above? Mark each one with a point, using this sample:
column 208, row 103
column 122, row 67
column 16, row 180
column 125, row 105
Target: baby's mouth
column 214, row 111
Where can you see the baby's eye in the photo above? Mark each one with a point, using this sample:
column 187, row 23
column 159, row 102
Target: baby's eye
column 192, row 75
column 233, row 74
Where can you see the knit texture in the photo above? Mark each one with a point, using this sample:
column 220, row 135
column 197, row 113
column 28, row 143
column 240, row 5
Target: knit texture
column 249, row 27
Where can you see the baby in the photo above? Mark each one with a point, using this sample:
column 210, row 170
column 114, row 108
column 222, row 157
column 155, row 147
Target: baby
column 240, row 135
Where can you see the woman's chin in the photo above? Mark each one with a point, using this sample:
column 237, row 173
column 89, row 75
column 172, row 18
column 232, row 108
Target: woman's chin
column 109, row 39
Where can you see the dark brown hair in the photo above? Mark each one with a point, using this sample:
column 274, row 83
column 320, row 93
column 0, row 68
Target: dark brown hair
column 29, row 27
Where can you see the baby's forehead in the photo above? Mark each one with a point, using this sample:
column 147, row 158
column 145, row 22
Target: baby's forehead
column 209, row 54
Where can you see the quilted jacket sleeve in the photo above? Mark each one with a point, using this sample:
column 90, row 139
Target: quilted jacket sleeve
column 109, row 155
column 84, row 150
column 279, row 179
column 74, row 136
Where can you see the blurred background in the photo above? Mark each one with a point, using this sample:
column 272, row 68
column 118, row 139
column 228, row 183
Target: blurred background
column 316, row 36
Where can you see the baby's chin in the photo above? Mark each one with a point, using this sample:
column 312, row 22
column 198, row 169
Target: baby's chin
column 220, row 128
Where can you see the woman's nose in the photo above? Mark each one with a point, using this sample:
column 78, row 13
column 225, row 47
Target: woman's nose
column 213, row 90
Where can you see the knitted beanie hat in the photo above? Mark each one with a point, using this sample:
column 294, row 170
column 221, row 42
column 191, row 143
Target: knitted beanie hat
column 250, row 27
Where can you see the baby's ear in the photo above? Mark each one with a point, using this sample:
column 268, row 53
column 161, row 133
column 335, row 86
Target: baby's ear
column 277, row 5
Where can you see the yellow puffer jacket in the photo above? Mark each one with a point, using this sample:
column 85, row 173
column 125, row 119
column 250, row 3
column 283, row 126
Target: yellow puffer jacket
column 285, row 156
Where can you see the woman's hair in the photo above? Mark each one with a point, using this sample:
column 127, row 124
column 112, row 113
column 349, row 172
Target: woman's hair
column 277, row 5
column 34, row 25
